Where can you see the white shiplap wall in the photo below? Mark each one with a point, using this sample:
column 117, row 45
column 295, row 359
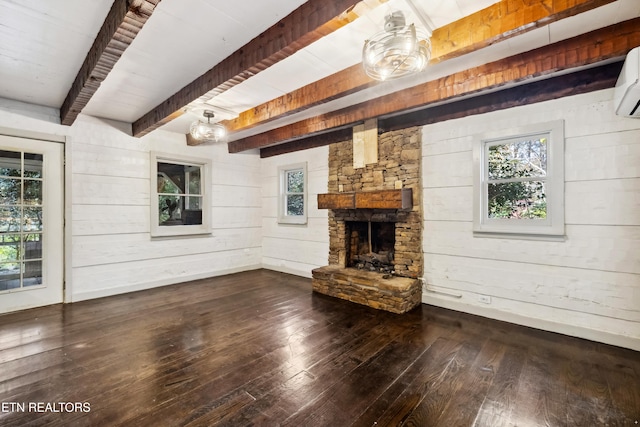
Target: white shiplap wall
column 295, row 249
column 588, row 285
column 110, row 250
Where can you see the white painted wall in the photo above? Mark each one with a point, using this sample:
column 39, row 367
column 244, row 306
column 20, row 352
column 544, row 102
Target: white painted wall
column 295, row 249
column 112, row 248
column 588, row 285
column 108, row 202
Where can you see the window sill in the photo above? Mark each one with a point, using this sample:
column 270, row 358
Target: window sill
column 179, row 231
column 292, row 222
column 181, row 236
column 520, row 236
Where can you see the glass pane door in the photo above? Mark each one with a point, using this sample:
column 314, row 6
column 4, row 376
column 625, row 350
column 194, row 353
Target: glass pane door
column 31, row 223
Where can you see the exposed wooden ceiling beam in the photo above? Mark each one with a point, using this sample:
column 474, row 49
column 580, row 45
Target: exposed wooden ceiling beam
column 501, row 21
column 308, row 23
column 587, row 49
column 575, row 83
column 122, row 24
column 309, row 142
column 583, row 81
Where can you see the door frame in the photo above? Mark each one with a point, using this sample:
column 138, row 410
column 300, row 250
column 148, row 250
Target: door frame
column 66, row 202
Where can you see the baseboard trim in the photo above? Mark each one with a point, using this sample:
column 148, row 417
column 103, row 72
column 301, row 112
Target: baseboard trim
column 545, row 325
column 107, row 292
column 283, row 269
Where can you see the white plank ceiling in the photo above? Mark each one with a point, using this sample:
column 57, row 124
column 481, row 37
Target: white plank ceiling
column 44, row 42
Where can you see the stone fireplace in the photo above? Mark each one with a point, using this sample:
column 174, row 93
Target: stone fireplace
column 375, row 225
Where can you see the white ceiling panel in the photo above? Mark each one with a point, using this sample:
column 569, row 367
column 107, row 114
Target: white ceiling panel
column 467, row 7
column 343, row 48
column 300, row 67
column 43, row 44
column 256, row 16
column 164, row 61
column 246, row 95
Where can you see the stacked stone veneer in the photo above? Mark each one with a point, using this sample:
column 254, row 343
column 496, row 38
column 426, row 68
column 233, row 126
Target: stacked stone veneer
column 399, row 159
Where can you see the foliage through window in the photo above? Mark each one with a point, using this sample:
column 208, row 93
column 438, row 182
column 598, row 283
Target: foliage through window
column 21, row 219
column 519, row 182
column 179, row 197
column 292, row 203
column 516, row 182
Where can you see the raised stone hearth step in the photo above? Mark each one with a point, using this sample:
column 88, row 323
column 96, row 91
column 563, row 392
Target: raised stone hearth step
column 390, row 293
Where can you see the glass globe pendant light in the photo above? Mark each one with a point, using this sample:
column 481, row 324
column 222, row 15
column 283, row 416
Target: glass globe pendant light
column 397, row 51
column 207, row 131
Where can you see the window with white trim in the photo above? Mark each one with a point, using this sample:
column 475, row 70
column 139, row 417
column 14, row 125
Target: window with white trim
column 180, row 202
column 292, row 194
column 519, row 182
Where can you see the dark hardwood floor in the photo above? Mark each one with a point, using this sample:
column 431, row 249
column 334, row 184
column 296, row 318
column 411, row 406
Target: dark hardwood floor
column 259, row 348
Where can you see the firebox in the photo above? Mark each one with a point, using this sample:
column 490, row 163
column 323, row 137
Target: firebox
column 370, row 245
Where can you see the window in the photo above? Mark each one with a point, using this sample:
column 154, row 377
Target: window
column 180, row 202
column 519, row 182
column 21, row 219
column 292, row 201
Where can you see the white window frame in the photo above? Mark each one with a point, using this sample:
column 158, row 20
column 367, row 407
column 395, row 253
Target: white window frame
column 158, row 230
column 550, row 228
column 283, row 218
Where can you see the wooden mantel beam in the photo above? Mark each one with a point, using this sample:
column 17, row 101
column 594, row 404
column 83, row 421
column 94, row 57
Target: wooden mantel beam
column 498, row 22
column 122, row 24
column 591, row 48
column 308, row 23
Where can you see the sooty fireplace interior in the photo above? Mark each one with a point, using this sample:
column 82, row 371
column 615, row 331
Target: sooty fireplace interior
column 370, row 245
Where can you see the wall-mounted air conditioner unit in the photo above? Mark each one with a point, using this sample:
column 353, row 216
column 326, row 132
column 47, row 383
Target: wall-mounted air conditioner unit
column 627, row 92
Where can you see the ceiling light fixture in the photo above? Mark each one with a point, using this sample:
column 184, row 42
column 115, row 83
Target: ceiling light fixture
column 207, row 131
column 397, row 51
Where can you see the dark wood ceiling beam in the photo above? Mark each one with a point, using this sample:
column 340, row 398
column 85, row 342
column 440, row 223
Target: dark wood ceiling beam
column 605, row 44
column 583, row 81
column 498, row 22
column 305, row 25
column 309, row 142
column 121, row 26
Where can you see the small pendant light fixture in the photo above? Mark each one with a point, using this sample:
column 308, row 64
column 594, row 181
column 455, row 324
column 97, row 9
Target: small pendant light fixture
column 397, row 51
column 207, row 131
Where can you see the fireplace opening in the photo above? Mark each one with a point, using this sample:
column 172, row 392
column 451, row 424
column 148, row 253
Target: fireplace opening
column 371, row 245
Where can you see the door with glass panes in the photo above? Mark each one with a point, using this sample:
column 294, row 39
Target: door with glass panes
column 31, row 223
